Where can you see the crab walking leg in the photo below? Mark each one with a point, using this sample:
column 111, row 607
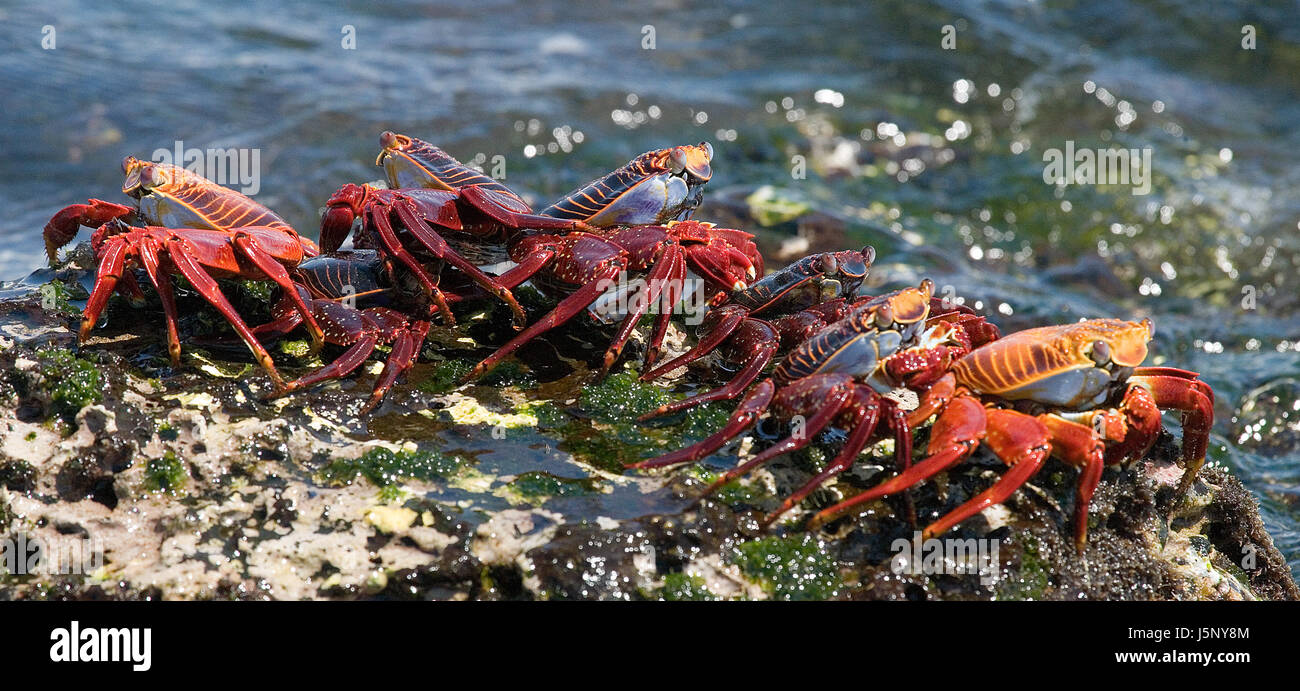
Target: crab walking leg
column 744, row 416
column 406, row 350
column 903, row 454
column 864, row 412
column 129, row 289
column 440, row 249
column 567, row 309
column 829, row 401
column 671, row 296
column 658, row 276
column 1192, row 378
column 494, row 206
column 341, row 367
column 149, row 249
column 180, row 253
column 727, row 323
column 1022, row 442
column 278, row 327
column 379, row 218
column 274, row 270
column 728, row 391
column 1184, row 394
column 353, row 328
column 1080, row 446
column 110, row 270
column 956, row 433
column 936, row 398
column 526, row 268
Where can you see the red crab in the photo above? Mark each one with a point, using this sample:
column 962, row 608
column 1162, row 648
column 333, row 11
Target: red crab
column 441, row 210
column 785, row 309
column 583, row 266
column 198, row 230
column 837, row 377
column 324, row 283
column 1101, row 408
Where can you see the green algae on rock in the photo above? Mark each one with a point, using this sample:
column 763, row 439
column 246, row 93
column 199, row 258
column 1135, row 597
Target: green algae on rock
column 248, row 500
column 790, row 568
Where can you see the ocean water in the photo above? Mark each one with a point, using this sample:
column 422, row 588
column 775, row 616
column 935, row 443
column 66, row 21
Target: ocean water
column 918, row 126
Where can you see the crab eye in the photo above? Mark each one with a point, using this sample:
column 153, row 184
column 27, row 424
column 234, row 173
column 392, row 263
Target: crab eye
column 153, row 176
column 828, row 263
column 708, row 150
column 678, row 158
column 1100, row 352
column 884, row 316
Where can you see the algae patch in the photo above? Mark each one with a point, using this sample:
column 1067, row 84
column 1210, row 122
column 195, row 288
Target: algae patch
column 679, row 587
column 789, row 568
column 166, row 474
column 612, row 437
column 68, row 382
column 536, row 487
column 384, row 467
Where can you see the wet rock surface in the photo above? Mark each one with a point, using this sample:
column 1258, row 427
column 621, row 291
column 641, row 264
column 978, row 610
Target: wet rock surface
column 145, row 482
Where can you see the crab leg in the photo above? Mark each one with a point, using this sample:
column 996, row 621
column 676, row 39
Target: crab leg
column 1187, row 395
column 728, row 391
column 744, row 416
column 492, row 203
column 163, row 284
column 435, row 244
column 832, row 402
column 567, row 309
column 730, row 319
column 661, row 273
column 274, row 270
column 128, row 288
column 111, row 265
column 1080, row 446
column 955, row 435
column 1022, row 442
column 864, row 410
column 341, row 366
column 676, row 282
column 379, row 218
column 180, row 254
column 280, row 326
column 526, row 269
column 406, row 349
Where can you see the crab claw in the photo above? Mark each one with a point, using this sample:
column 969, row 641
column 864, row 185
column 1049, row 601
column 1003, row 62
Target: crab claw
column 750, row 260
column 340, row 210
column 63, row 227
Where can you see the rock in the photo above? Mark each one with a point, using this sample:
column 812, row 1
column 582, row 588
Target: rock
column 187, row 487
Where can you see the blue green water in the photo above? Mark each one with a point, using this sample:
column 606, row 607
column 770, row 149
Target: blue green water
column 934, row 155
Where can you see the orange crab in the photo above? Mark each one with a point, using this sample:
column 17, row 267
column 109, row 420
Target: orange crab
column 1090, row 404
column 194, row 228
